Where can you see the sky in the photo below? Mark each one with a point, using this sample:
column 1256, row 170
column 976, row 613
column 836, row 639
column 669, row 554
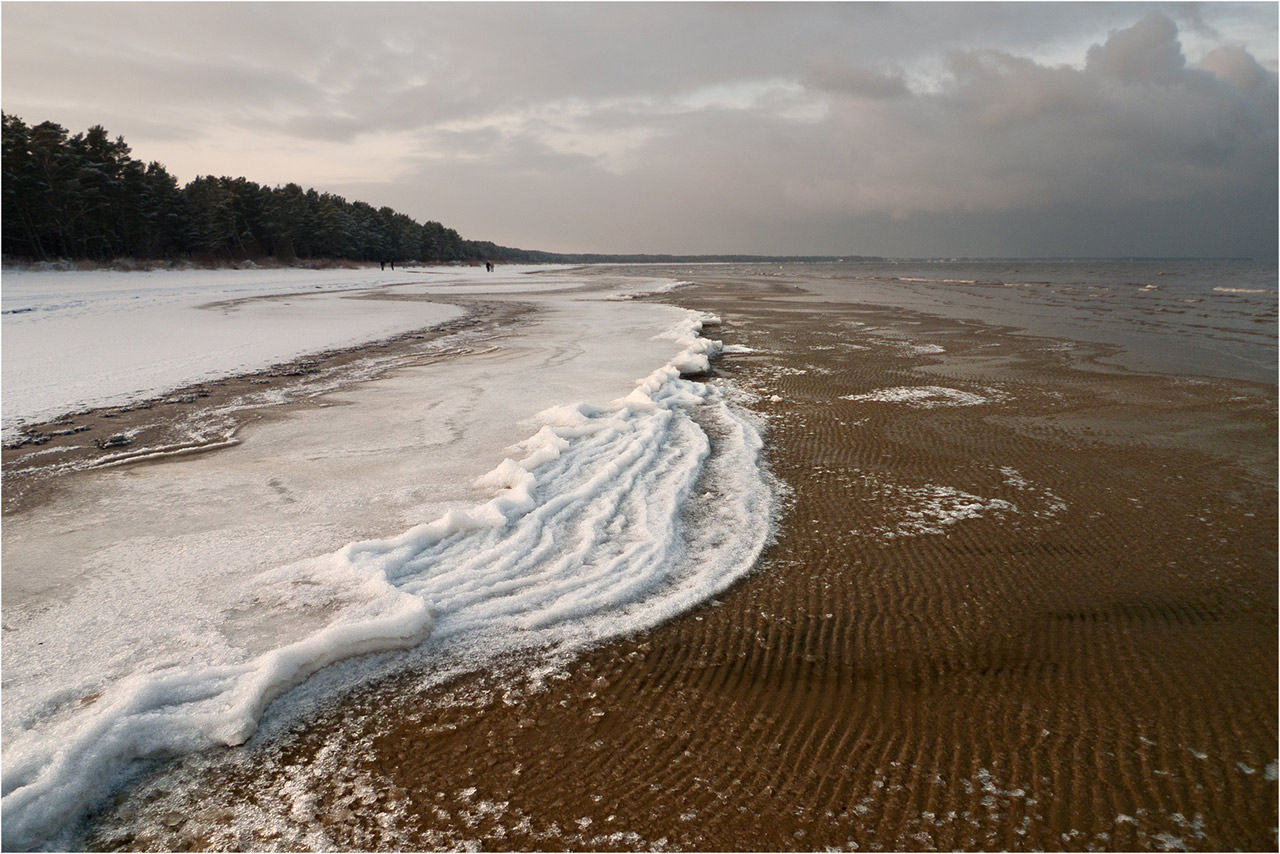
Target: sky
column 898, row 129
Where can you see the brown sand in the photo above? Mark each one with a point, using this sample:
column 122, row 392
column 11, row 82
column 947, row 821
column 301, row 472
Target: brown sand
column 1093, row 670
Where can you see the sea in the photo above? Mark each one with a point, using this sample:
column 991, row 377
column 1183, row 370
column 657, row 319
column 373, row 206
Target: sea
column 1198, row 317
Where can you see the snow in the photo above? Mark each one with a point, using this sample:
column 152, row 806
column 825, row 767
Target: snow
column 931, row 509
column 548, row 491
column 924, row 397
column 78, row 340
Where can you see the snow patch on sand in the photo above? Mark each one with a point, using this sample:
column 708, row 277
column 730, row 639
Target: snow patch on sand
column 1052, row 504
column 926, row 397
column 931, row 508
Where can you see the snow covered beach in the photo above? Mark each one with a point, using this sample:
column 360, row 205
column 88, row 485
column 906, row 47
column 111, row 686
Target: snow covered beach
column 76, row 341
column 532, row 495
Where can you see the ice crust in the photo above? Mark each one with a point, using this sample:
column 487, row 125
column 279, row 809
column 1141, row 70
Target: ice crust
column 596, row 525
column 74, row 340
column 931, row 508
column 925, row 397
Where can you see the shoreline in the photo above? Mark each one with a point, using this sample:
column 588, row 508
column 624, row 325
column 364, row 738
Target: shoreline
column 1040, row 616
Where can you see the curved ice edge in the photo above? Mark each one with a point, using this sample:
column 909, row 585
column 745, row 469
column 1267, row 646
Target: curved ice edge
column 51, row 778
column 45, row 793
column 514, row 479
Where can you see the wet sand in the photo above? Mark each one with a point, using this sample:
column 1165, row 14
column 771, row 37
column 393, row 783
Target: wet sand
column 1041, row 614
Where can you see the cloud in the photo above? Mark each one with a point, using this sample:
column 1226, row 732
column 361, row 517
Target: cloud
column 676, row 127
column 1120, row 153
column 831, row 76
column 1244, row 74
column 1135, row 125
column 1147, row 52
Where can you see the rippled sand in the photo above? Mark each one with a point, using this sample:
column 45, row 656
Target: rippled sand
column 1031, row 606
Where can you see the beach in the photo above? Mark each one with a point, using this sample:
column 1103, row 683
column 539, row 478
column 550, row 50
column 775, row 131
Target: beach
column 736, row 427
column 1017, row 594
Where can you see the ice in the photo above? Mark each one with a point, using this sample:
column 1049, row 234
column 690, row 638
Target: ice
column 931, row 509
column 525, row 280
column 544, row 493
column 670, row 286
column 78, row 340
column 924, row 397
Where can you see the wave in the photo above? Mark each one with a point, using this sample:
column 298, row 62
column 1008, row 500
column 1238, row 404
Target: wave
column 608, row 520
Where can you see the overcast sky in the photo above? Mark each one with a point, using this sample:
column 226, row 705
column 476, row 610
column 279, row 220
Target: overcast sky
column 1080, row 129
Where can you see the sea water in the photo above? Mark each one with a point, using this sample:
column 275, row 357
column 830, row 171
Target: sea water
column 1215, row 318
column 1195, row 317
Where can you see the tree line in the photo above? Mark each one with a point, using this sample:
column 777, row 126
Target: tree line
column 83, row 197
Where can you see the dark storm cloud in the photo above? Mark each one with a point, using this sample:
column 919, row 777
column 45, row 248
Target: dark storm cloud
column 1147, row 52
column 1135, row 124
column 837, row 78
column 898, row 128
